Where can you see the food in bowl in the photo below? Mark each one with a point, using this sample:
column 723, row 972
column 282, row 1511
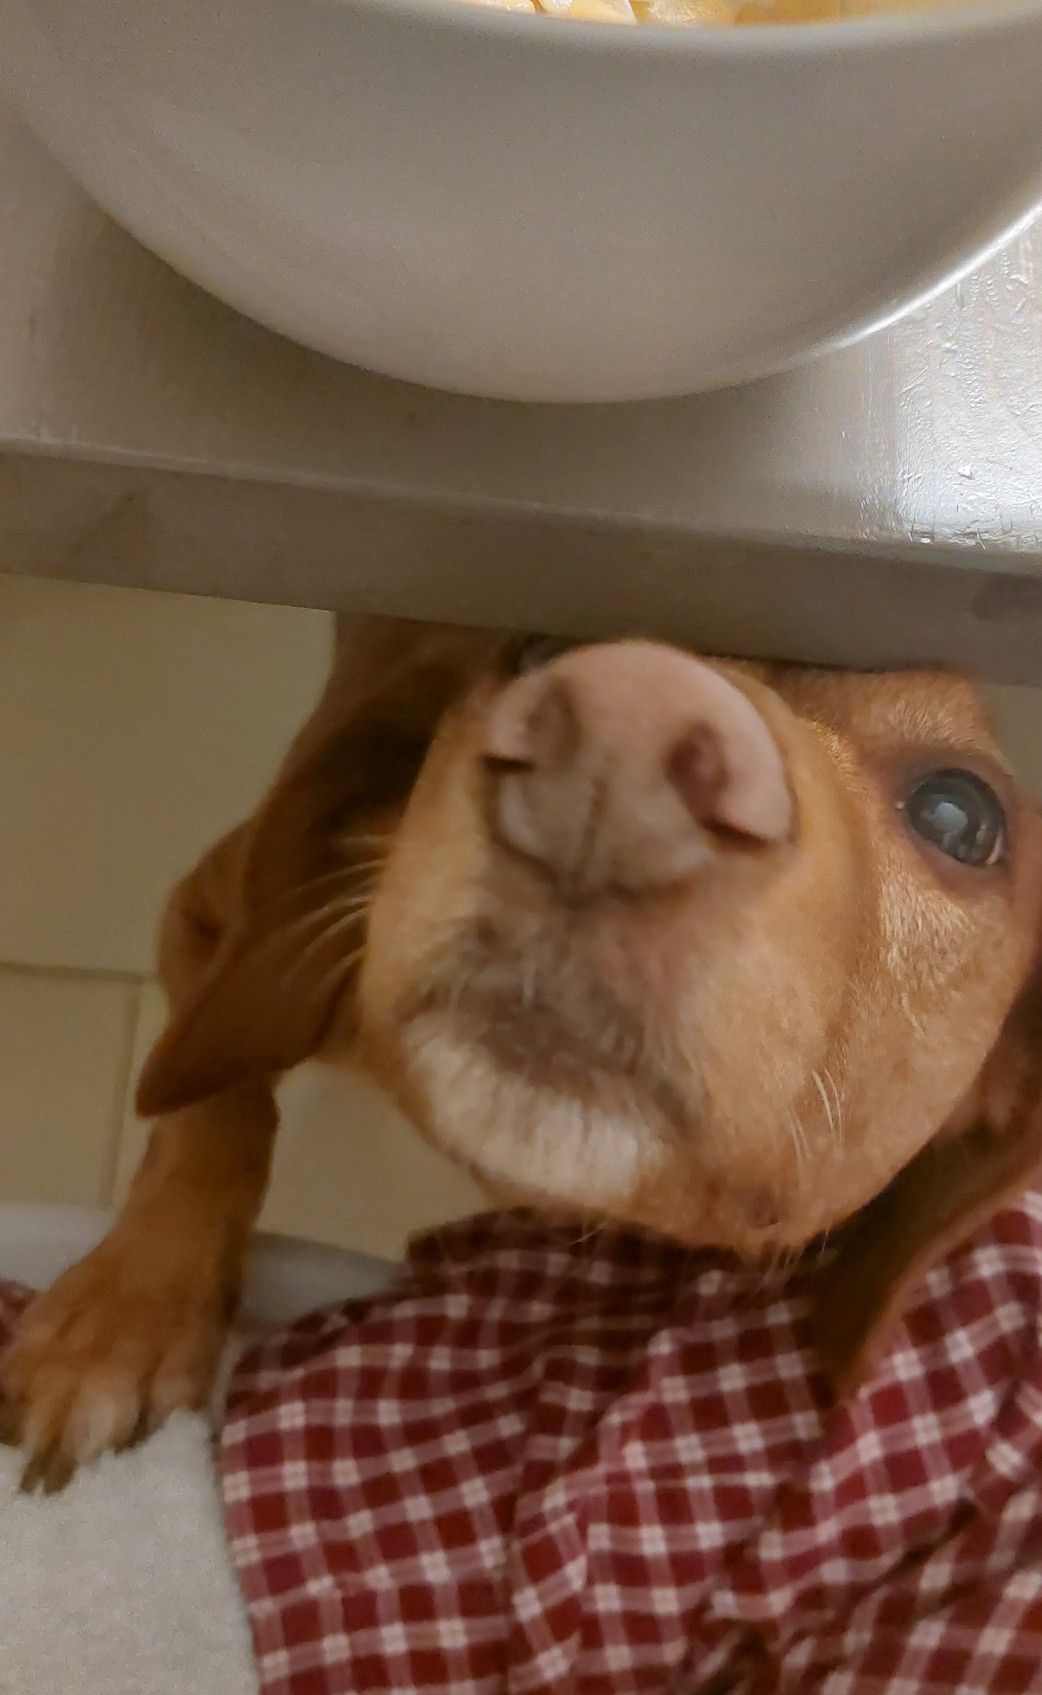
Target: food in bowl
column 712, row 14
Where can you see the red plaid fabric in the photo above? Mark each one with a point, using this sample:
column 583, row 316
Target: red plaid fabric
column 608, row 1467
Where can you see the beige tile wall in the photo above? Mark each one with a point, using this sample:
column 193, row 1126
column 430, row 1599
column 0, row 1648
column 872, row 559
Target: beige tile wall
column 134, row 728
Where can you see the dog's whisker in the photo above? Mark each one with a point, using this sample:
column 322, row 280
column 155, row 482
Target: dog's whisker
column 595, row 1229
column 322, row 916
column 310, row 930
column 346, row 921
column 831, row 1081
column 356, row 899
column 778, row 1262
column 341, row 968
column 359, row 882
column 345, row 869
column 769, row 1268
column 344, row 875
column 366, row 838
column 827, row 1105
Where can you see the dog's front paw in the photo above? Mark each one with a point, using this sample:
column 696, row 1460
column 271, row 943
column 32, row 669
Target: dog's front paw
column 104, row 1356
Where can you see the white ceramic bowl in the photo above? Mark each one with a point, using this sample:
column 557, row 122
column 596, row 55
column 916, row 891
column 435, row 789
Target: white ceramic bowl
column 528, row 208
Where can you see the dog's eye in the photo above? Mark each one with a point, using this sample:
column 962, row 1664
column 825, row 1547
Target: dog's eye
column 528, row 653
column 957, row 813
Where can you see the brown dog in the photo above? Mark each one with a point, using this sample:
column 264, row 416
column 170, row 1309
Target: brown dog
column 741, row 954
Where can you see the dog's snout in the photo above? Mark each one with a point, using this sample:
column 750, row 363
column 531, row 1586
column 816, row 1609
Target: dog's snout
column 615, row 765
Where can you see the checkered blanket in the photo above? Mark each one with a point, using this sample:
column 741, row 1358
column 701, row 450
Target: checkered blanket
column 604, row 1467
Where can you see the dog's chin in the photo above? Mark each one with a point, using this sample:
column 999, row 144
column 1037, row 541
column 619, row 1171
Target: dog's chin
column 541, row 1119
column 510, row 1116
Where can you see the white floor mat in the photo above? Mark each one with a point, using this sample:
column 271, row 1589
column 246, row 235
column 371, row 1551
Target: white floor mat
column 122, row 1585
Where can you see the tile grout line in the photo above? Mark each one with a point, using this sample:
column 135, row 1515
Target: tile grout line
column 74, row 973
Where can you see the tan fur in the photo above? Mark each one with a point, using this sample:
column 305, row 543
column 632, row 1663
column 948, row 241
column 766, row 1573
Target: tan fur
column 830, row 1035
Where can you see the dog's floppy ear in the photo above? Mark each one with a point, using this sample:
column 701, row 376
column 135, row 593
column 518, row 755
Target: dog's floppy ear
column 958, row 1181
column 288, row 958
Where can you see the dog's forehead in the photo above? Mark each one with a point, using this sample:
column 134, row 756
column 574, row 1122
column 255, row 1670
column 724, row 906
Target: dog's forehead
column 900, row 709
column 881, row 709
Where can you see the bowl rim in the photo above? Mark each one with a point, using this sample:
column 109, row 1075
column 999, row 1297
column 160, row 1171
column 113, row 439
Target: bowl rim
column 880, row 33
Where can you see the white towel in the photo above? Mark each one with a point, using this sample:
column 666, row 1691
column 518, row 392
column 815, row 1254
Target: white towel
column 122, row 1585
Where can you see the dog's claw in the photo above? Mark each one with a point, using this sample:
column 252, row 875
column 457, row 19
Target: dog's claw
column 142, row 1430
column 48, row 1472
column 58, row 1472
column 10, row 1426
column 38, row 1471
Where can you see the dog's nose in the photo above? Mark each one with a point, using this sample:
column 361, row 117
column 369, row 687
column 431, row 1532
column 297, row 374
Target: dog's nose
column 628, row 764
